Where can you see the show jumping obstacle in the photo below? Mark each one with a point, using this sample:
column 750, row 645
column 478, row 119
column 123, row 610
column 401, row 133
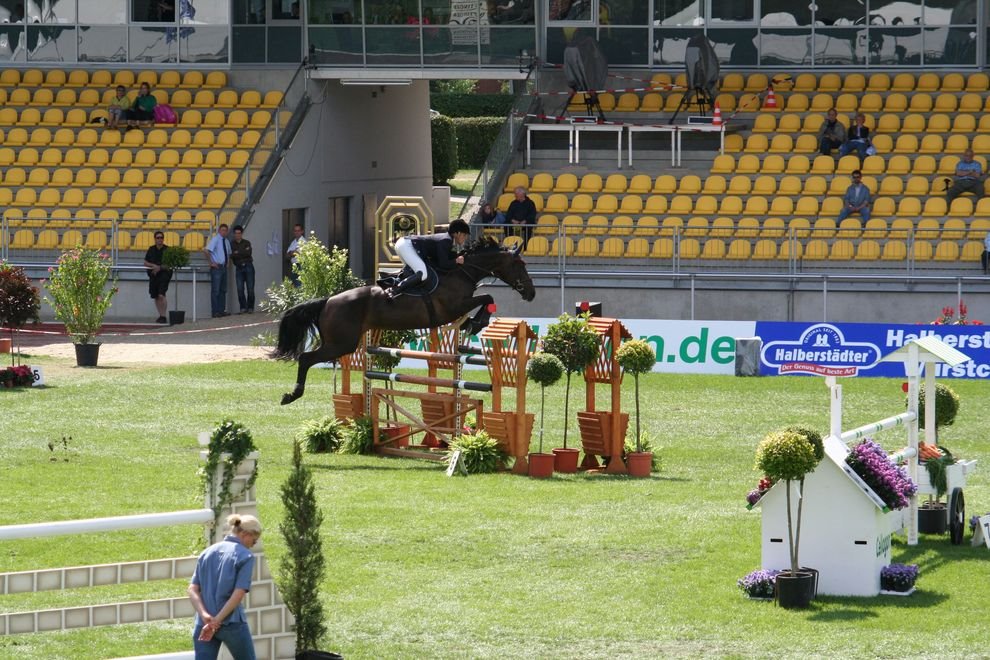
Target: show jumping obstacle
column 271, row 622
column 506, row 346
column 603, row 433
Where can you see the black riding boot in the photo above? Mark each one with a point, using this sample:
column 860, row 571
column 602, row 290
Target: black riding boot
column 409, row 281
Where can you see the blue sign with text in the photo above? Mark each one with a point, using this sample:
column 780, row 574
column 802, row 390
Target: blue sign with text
column 854, row 349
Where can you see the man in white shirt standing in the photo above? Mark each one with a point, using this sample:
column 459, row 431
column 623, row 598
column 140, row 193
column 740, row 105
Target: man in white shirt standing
column 292, row 252
column 218, row 252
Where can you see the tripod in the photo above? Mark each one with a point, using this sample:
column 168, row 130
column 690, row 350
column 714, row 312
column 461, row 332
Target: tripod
column 701, row 96
column 594, row 107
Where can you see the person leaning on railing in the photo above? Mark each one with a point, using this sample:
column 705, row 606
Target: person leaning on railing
column 521, row 213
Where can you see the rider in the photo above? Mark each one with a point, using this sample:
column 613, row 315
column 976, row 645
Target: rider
column 436, row 249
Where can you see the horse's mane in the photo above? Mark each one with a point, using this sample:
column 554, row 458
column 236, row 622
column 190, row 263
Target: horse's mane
column 483, row 245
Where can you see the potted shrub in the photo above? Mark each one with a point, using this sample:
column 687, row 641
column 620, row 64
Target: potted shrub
column 786, row 456
column 19, row 302
column 543, row 369
column 946, row 407
column 78, row 292
column 321, row 435
column 479, row 453
column 637, row 357
column 574, row 342
column 174, row 258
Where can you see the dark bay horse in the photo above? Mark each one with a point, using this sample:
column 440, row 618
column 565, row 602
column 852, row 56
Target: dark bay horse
column 343, row 319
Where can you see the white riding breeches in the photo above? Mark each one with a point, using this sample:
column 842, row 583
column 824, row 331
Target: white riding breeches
column 404, row 248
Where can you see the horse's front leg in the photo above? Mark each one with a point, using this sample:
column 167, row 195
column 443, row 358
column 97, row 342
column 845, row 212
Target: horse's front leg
column 327, row 352
column 479, row 321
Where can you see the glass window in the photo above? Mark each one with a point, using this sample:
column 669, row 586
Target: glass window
column 201, row 44
column 625, row 45
column 731, row 11
column 248, row 44
column 334, row 12
column 944, row 12
column 895, row 46
column 12, row 43
column 335, row 45
column 151, row 45
column 557, row 39
column 204, row 12
column 785, row 13
column 103, row 44
column 58, row 11
column 286, row 10
column 106, row 12
column 735, row 47
column 780, row 47
column 51, row 44
column 829, row 12
column 505, row 44
column 392, row 13
column 439, row 48
column 895, row 12
column 392, row 45
column 676, row 12
column 669, row 45
column 840, row 46
column 284, row 44
column 569, row 10
column 153, row 11
column 623, row 12
column 945, row 45
column 502, row 12
column 249, row 12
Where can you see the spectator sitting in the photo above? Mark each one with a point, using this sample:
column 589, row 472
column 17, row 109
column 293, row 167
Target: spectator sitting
column 119, row 105
column 489, row 216
column 832, row 133
column 521, row 212
column 969, row 178
column 858, row 139
column 143, row 109
column 856, row 199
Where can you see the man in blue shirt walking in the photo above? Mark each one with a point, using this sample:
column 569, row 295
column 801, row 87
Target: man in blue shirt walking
column 218, row 252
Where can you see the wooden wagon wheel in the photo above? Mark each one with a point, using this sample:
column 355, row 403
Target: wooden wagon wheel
column 957, row 516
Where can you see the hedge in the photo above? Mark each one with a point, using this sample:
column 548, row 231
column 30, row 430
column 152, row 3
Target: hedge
column 472, row 105
column 444, row 142
column 475, row 136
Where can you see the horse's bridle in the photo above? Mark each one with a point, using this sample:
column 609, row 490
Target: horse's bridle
column 516, row 286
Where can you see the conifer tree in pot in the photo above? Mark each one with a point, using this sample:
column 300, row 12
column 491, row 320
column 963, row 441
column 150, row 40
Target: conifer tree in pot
column 574, row 342
column 543, row 369
column 637, row 357
column 175, row 257
column 787, row 456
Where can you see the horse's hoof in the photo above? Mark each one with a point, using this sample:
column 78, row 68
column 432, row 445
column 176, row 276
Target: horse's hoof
column 289, row 397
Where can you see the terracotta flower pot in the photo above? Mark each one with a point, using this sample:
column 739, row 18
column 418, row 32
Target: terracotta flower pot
column 639, row 463
column 541, row 465
column 565, row 460
column 392, row 430
column 5, row 344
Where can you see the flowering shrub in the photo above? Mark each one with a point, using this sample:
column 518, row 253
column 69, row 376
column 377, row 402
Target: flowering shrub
column 949, row 317
column 79, row 296
column 890, row 482
column 898, row 577
column 19, row 376
column 759, row 583
column 754, row 495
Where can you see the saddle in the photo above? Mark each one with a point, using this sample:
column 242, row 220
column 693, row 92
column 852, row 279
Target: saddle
column 424, row 288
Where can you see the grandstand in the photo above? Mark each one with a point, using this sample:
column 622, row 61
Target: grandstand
column 265, row 141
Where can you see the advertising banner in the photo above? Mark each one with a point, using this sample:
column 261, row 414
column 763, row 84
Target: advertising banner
column 854, row 349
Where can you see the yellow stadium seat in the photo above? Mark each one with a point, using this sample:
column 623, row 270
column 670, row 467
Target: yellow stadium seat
column 566, row 183
column 590, row 183
column 587, row 247
column 895, row 103
column 671, row 225
column 954, row 229
column 920, row 103
column 821, row 102
column 739, row 185
column 764, row 185
column 546, row 225
column 581, row 203
column 273, row 99
column 706, row 205
column 73, row 198
column 781, row 144
column 226, row 99
column 816, row 250
column 971, row 251
column 23, row 239
column 542, row 183
column 190, row 119
column 903, row 82
column 630, row 205
column 964, row 124
column 883, row 207
column 690, row 184
column 747, row 228
column 850, row 228
column 47, row 197
column 932, row 144
column 680, row 205
column 651, row 102
column 922, row 251
column 797, row 103
column 640, row 184
column 47, row 239
column 729, row 205
column 597, row 225
column 823, row 165
column 192, row 80
column 765, row 123
column 934, row 207
column 25, row 197
column 733, row 143
column 696, row 226
column 854, row 82
column 739, row 249
column 655, row 204
column 961, row 207
column 805, row 82
column 562, row 246
column 847, row 164
column 824, row 228
column 846, row 103
column 748, row 164
column 907, row 144
column 781, row 206
column 615, row 184
column 842, row 250
column 622, row 225
column 215, row 80
column 689, row 248
column 756, row 206
column 714, row 248
column 556, row 203
column 214, row 118
column 612, row 247
column 29, row 117
column 723, row 164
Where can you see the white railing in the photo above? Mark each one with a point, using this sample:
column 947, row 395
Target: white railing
column 113, row 524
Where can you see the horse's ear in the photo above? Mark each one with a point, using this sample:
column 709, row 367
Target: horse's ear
column 516, row 249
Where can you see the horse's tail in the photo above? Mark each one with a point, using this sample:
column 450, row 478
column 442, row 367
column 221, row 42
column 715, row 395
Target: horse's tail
column 294, row 326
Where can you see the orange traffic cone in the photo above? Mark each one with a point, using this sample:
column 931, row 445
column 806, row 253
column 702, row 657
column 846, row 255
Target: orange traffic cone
column 717, row 115
column 771, row 102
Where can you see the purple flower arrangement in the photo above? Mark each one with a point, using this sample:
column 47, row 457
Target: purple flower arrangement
column 898, row 577
column 759, row 583
column 974, row 522
column 890, row 482
column 754, row 495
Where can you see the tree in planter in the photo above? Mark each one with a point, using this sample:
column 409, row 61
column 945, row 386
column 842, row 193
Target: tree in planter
column 946, row 406
column 544, row 369
column 574, row 342
column 175, row 257
column 304, row 564
column 19, row 301
column 788, row 456
column 636, row 357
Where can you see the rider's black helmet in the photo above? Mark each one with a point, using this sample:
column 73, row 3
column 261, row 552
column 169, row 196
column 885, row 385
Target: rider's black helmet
column 458, row 227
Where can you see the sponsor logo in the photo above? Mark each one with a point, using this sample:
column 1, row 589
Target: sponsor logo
column 821, row 350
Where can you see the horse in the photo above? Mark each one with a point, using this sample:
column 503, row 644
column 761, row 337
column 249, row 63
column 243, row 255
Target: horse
column 342, row 320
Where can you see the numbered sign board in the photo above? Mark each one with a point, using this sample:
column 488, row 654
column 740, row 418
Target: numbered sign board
column 39, row 377
column 981, row 535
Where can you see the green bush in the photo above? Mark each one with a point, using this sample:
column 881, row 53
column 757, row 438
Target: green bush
column 946, row 406
column 475, row 136
column 814, row 437
column 480, row 453
column 444, row 142
column 358, row 437
column 472, row 105
column 321, row 435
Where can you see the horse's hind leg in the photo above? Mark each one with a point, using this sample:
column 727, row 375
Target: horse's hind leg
column 327, row 352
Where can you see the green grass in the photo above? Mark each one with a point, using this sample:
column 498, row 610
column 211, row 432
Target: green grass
column 420, row 565
column 463, row 182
